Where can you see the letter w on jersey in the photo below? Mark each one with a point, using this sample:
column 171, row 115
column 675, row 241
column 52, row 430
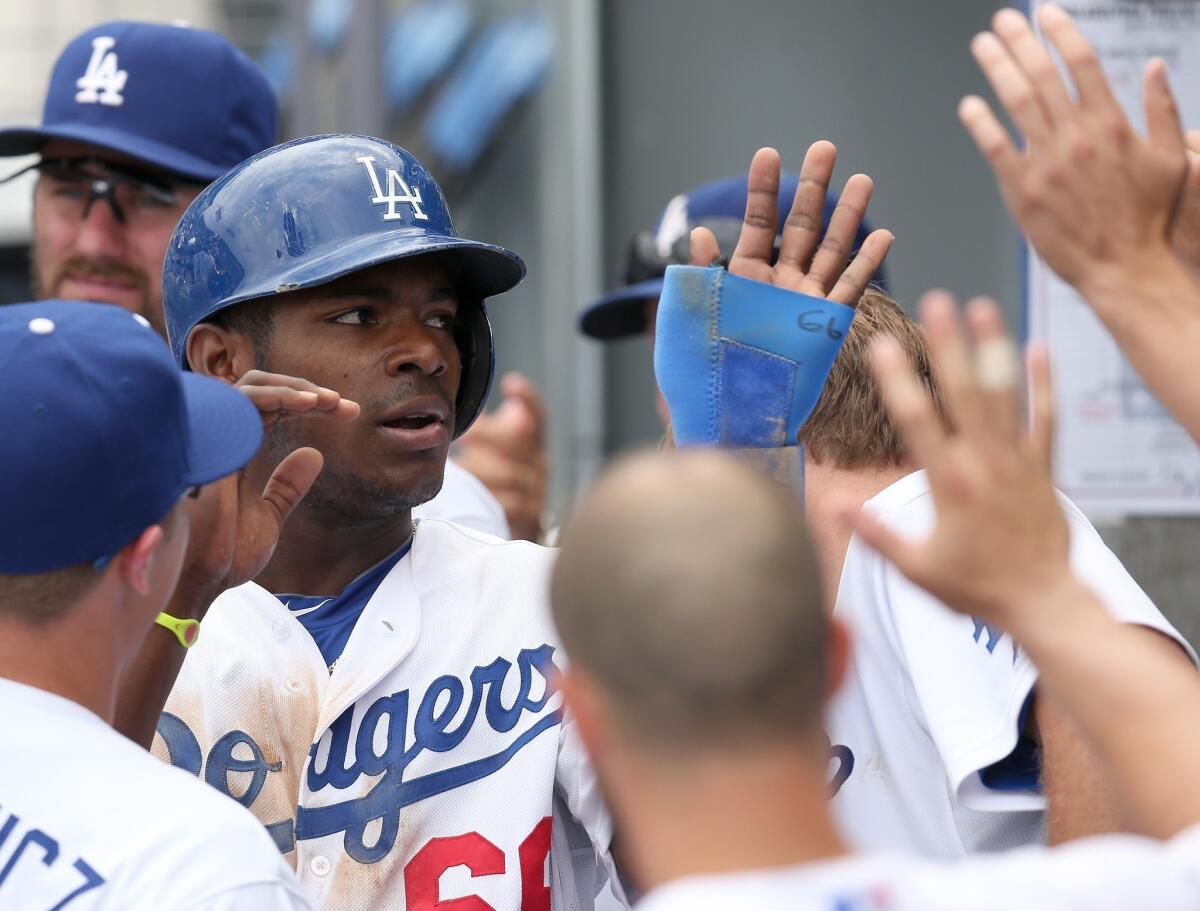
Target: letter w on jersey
column 103, row 82
column 398, row 191
column 353, row 753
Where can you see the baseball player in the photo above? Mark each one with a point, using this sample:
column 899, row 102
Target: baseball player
column 382, row 696
column 706, row 723
column 104, row 439
column 125, row 143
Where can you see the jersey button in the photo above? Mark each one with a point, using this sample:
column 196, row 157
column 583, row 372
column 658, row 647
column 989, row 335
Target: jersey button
column 280, row 628
column 319, row 865
column 294, row 686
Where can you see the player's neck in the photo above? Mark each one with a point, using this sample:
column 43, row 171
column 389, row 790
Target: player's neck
column 74, row 658
column 317, row 557
column 770, row 810
column 827, row 490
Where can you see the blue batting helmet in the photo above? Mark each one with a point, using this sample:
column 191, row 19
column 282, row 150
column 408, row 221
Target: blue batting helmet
column 309, row 211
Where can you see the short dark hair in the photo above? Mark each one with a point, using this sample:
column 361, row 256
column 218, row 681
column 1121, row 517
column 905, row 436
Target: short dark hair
column 253, row 318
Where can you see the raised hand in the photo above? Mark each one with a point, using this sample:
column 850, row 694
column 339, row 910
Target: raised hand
column 1094, row 198
column 506, row 451
column 1001, row 540
column 807, row 262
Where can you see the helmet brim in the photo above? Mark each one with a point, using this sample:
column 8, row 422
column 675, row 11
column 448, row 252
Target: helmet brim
column 484, row 269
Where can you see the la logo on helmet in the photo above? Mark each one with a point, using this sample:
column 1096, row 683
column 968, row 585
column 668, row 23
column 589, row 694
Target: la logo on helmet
column 102, row 82
column 398, row 191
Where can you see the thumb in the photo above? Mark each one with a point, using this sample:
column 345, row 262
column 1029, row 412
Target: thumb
column 704, row 250
column 291, row 480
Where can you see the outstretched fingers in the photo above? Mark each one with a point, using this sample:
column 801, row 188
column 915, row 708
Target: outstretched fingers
column 997, row 371
column 991, row 138
column 756, row 243
column 275, row 393
column 1017, row 35
column 1012, row 86
column 854, row 280
column 1162, row 113
column 951, row 360
column 1041, row 403
column 907, row 401
column 838, row 243
column 802, row 231
column 1080, row 57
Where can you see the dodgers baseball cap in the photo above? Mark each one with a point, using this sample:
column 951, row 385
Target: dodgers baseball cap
column 103, row 433
column 719, row 206
column 180, row 99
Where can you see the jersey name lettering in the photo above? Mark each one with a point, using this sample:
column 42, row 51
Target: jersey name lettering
column 102, row 82
column 433, row 730
column 398, row 191
column 439, row 724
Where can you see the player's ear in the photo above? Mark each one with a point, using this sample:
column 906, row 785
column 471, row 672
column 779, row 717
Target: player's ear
column 134, row 561
column 838, row 648
column 221, row 353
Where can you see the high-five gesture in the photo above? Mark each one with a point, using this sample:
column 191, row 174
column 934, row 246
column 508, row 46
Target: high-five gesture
column 1000, row 551
column 1100, row 203
column 1001, row 538
column 1092, row 195
column 807, row 262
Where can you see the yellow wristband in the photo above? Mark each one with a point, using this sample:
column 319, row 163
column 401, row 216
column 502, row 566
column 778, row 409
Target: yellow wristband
column 186, row 631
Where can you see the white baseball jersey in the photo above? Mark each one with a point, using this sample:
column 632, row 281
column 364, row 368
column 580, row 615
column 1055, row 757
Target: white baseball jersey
column 464, row 499
column 1110, row 873
column 926, row 752
column 428, row 765
column 90, row 821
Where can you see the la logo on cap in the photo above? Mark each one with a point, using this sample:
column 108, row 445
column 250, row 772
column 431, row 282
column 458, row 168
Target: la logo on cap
column 398, row 191
column 103, row 82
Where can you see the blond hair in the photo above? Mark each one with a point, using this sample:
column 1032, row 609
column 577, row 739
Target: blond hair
column 849, row 427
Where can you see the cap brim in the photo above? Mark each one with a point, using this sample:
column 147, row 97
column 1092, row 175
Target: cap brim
column 27, row 140
column 224, row 429
column 621, row 312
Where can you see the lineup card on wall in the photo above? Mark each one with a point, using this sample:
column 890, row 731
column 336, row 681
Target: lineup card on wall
column 1118, row 450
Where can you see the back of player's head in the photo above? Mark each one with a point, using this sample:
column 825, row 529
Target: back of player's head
column 687, row 589
column 104, row 435
column 849, row 427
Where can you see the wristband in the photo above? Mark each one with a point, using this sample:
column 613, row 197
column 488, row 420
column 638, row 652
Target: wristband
column 741, row 363
column 186, row 631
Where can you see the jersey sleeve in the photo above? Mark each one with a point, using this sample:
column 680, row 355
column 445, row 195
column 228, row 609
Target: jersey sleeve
column 1108, row 873
column 1099, row 567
